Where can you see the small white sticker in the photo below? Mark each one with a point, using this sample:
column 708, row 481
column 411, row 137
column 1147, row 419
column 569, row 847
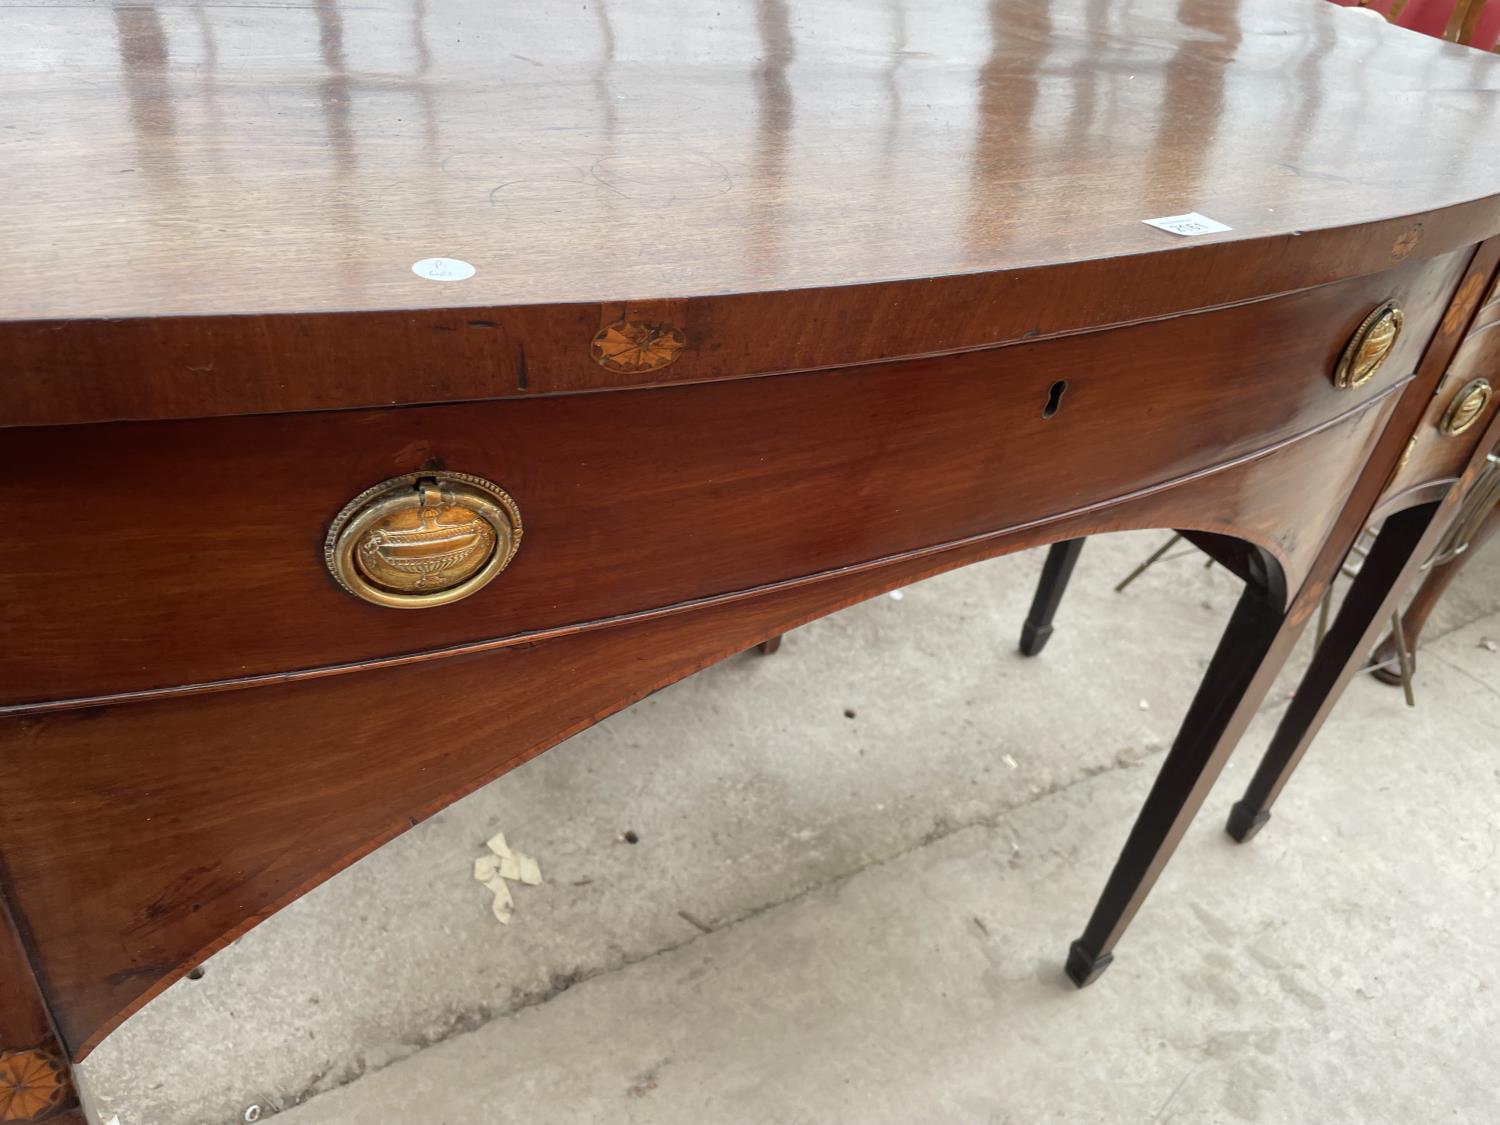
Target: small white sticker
column 1191, row 223
column 443, row 269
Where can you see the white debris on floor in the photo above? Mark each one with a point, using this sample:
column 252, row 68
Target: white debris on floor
column 500, row 864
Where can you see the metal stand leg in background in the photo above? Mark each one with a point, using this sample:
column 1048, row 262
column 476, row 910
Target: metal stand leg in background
column 1154, row 558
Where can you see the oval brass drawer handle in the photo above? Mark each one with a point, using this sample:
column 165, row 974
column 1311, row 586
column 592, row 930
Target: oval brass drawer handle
column 423, row 539
column 1371, row 343
column 1467, row 405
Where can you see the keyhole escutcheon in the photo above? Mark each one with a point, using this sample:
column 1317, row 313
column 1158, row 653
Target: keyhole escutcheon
column 1054, row 398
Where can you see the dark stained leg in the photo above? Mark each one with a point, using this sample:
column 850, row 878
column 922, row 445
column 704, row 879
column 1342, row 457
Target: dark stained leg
column 1049, row 591
column 766, row 648
column 36, row 1080
column 1237, row 677
column 1428, row 595
column 1366, row 608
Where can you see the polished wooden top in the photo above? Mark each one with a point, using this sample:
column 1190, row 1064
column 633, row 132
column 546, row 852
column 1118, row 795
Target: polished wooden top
column 206, row 158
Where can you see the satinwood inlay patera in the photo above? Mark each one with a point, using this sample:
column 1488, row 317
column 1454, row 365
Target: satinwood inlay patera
column 633, row 346
column 31, row 1083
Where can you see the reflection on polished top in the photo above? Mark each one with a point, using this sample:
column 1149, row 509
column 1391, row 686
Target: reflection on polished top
column 220, row 158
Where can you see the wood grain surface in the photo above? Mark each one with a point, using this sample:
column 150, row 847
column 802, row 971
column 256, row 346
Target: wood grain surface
column 192, row 190
column 918, row 219
column 290, row 158
column 192, row 551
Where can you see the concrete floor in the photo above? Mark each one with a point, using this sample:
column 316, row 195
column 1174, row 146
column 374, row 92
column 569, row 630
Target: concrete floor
column 859, row 864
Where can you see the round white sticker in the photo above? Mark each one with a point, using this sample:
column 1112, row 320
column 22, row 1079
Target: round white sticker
column 443, row 269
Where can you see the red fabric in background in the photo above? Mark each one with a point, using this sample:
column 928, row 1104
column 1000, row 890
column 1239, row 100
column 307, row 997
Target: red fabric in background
column 1430, row 17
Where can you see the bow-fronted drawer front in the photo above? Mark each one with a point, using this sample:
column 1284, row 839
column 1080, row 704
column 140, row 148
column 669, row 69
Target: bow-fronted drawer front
column 158, row 554
column 1461, row 408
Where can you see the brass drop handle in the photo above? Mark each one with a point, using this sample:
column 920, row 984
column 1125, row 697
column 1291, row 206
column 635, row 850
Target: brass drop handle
column 1367, row 348
column 1465, row 407
column 423, row 539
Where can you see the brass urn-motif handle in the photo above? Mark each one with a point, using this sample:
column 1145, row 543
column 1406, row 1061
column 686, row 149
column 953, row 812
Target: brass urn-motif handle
column 1371, row 343
column 424, row 539
column 1466, row 407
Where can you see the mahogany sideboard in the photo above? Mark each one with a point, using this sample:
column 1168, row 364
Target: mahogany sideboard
column 390, row 391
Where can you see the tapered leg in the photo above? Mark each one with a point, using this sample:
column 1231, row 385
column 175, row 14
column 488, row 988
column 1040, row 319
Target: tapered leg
column 1049, row 591
column 1366, row 608
column 1428, row 595
column 36, row 1080
column 1238, row 676
column 767, row 648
